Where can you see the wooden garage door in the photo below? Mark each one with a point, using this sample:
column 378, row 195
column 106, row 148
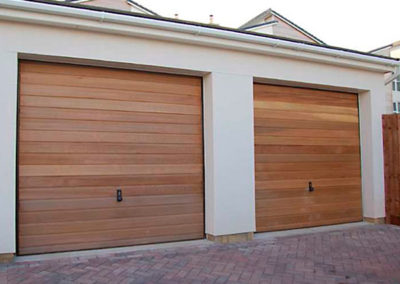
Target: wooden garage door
column 85, row 132
column 302, row 136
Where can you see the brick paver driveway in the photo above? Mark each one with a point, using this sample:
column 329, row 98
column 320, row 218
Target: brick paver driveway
column 366, row 254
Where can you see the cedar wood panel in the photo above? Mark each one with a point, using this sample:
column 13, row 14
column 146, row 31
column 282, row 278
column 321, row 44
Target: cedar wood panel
column 304, row 135
column 391, row 148
column 86, row 131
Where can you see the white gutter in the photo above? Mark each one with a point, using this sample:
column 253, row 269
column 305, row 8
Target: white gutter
column 107, row 17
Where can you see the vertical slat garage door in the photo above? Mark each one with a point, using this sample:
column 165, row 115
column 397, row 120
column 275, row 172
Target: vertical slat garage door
column 85, row 132
column 301, row 136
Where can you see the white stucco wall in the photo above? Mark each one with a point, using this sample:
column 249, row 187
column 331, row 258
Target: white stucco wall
column 229, row 141
column 371, row 107
column 229, row 153
column 8, row 130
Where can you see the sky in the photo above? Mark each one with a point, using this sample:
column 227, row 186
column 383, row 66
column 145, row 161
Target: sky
column 355, row 24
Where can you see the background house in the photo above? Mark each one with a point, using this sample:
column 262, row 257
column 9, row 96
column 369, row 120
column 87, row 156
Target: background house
column 272, row 23
column 125, row 5
column 392, row 97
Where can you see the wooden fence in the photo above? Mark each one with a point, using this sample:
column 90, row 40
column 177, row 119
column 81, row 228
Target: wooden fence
column 391, row 146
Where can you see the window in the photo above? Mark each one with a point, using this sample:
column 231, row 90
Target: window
column 396, row 107
column 396, row 84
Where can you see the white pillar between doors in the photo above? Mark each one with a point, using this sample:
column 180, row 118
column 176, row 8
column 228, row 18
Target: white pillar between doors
column 229, row 154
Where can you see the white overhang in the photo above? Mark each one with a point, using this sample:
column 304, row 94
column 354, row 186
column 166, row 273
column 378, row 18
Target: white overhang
column 189, row 33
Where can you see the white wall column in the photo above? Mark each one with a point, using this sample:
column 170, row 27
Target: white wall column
column 8, row 129
column 229, row 154
column 372, row 106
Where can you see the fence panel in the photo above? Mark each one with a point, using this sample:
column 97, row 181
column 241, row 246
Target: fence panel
column 391, row 146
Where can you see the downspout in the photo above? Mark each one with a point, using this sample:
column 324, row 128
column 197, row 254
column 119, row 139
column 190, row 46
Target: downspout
column 394, row 75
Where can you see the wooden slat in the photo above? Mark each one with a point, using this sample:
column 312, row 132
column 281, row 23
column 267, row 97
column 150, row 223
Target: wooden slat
column 291, row 106
column 106, row 126
column 290, row 140
column 112, row 180
column 312, row 94
column 98, row 159
column 296, row 115
column 94, row 170
column 55, row 239
column 94, row 72
column 81, row 192
column 290, row 158
column 300, row 173
column 95, row 203
column 306, row 207
column 309, row 166
column 85, row 132
column 101, row 137
column 106, row 115
column 304, row 135
column 295, row 149
column 90, row 244
column 127, row 106
column 116, row 83
column 304, row 132
column 106, row 224
column 107, row 148
column 281, row 193
column 107, row 213
column 317, row 98
column 93, row 92
column 303, row 183
column 308, row 219
column 295, row 122
column 391, row 146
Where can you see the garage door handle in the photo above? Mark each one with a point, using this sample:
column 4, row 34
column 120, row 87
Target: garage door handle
column 119, row 195
column 310, row 187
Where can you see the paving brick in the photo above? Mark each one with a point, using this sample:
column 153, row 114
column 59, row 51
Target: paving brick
column 368, row 254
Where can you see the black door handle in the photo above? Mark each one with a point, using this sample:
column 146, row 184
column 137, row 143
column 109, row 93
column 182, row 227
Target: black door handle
column 310, row 187
column 119, row 195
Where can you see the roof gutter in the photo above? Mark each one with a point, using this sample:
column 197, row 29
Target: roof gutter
column 14, row 10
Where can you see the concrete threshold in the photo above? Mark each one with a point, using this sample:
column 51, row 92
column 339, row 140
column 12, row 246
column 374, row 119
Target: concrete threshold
column 102, row 252
column 311, row 230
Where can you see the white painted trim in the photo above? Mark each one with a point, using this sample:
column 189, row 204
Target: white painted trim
column 82, row 1
column 138, row 8
column 63, row 16
column 8, row 150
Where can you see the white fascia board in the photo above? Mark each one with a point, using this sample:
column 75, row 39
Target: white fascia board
column 263, row 29
column 75, row 18
column 81, row 1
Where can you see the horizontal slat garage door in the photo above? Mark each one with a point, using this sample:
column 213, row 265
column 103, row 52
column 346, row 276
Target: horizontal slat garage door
column 84, row 132
column 302, row 136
